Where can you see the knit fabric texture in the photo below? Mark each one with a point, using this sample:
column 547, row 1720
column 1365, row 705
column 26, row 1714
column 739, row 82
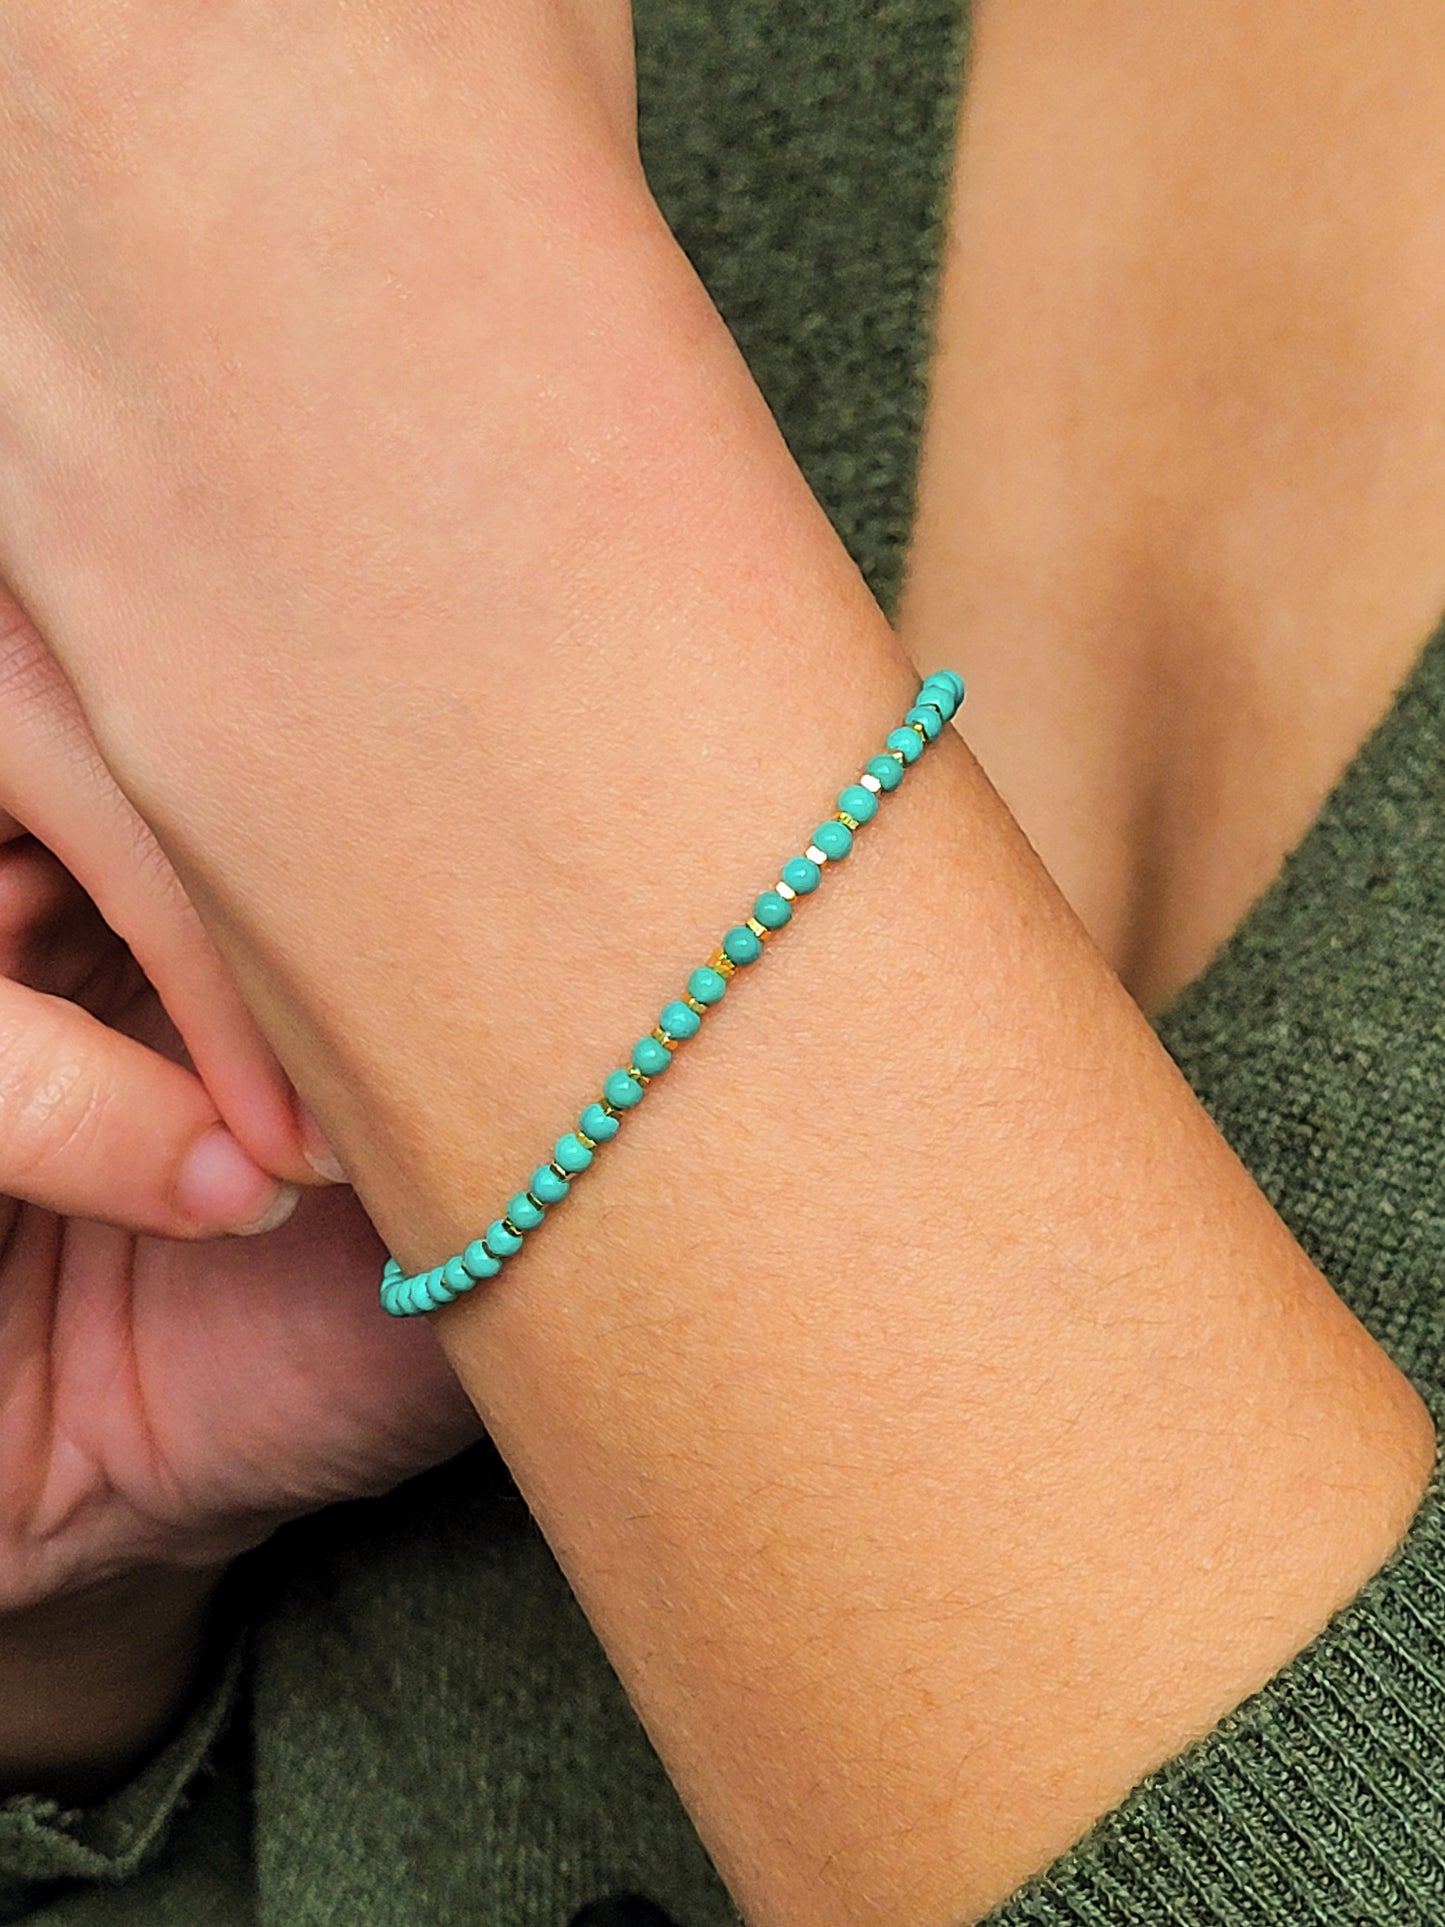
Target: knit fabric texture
column 419, row 1729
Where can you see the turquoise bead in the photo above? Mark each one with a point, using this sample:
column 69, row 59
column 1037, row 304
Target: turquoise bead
column 772, row 911
column 545, row 1185
column 927, row 719
column 594, row 1122
column 436, row 1291
column 907, row 742
column 680, row 1020
column 479, row 1261
column 391, row 1272
column 525, row 1215
column 941, row 695
column 887, row 769
column 802, row 874
column 499, row 1241
column 413, row 1297
column 835, row 840
column 571, row 1153
column 456, row 1277
column 707, row 985
column 650, row 1057
column 744, row 946
column 621, row 1091
column 860, row 804
column 947, row 681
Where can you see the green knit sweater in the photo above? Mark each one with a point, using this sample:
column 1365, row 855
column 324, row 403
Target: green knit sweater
column 416, row 1727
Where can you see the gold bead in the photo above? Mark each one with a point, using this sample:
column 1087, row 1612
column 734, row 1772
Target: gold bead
column 667, row 1041
column 693, row 1004
column 758, row 929
column 721, row 962
column 605, row 1108
column 507, row 1225
column 582, row 1138
column 536, row 1201
column 558, row 1172
column 922, row 733
column 637, row 1076
column 898, row 757
column 849, row 822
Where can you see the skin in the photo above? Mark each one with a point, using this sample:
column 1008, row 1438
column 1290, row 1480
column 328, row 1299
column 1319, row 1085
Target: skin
column 1184, row 475
column 1004, row 1440
column 128, row 1483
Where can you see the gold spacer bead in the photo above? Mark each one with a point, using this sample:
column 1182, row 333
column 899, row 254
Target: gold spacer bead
column 558, row 1172
column 582, row 1138
column 605, row 1108
column 899, row 757
column 536, row 1201
column 849, row 822
column 665, row 1038
column 920, row 731
column 693, row 1004
column 721, row 962
column 507, row 1225
column 758, row 929
column 637, row 1076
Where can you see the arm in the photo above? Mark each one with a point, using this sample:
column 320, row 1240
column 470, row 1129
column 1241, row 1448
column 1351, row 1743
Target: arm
column 923, row 1335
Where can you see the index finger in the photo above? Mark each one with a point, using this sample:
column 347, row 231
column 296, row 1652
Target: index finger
column 54, row 784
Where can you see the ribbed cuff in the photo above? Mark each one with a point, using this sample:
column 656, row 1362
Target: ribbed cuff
column 1320, row 1800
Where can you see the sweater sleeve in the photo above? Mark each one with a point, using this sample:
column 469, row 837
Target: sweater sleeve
column 168, row 1847
column 1320, row 1800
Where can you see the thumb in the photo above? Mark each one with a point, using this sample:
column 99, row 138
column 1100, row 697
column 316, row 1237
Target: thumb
column 94, row 1125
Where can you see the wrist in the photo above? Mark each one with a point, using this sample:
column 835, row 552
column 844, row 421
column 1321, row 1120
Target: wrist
column 534, row 740
column 91, row 1683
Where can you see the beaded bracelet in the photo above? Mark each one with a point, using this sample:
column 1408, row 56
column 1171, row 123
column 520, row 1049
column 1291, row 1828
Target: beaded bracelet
column 622, row 1090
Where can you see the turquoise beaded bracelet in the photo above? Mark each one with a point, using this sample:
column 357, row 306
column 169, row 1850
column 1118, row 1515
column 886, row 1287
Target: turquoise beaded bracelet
column 622, row 1090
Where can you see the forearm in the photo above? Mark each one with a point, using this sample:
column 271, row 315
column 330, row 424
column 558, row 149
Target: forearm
column 90, row 1684
column 937, row 1424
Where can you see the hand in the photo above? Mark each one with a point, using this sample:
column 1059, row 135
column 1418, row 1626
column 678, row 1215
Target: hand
column 164, row 1402
column 300, row 301
column 341, row 394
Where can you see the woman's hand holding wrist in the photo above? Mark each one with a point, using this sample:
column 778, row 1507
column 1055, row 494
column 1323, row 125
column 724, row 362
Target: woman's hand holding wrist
column 923, row 1349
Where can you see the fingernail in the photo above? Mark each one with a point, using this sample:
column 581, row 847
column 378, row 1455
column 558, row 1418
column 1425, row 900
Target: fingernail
column 288, row 1196
column 220, row 1186
column 317, row 1146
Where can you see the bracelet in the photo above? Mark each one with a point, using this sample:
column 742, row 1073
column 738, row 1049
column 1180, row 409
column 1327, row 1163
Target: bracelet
column 405, row 1296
